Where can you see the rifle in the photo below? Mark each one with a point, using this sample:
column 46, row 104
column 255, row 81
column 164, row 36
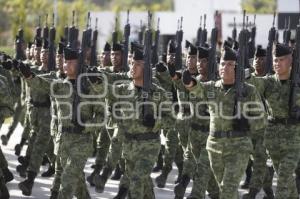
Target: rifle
column 271, row 40
column 287, row 33
column 240, row 72
column 204, row 33
column 199, row 33
column 126, row 43
column 94, row 46
column 155, row 53
column 66, row 32
column 115, row 32
column 38, row 29
column 147, row 67
column 294, row 109
column 51, row 54
column 233, row 35
column 20, row 54
column 141, row 33
column 212, row 61
column 178, row 53
column 252, row 39
column 46, row 29
column 72, row 35
column 81, row 69
column 89, row 30
column 246, row 46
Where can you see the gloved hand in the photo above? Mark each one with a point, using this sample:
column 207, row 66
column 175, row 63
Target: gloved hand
column 24, row 69
column 7, row 65
column 160, row 67
column 149, row 121
column 96, row 77
column 186, row 77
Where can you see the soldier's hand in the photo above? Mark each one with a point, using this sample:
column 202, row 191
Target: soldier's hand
column 149, row 121
column 160, row 67
column 25, row 70
column 187, row 78
column 7, row 65
column 94, row 75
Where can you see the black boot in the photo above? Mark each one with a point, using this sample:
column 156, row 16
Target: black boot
column 117, row 173
column 252, row 194
column 24, row 160
column 96, row 171
column 54, row 195
column 246, row 183
column 26, row 185
column 19, row 147
column 50, row 172
column 8, row 176
column 4, row 139
column 180, row 187
column 45, row 160
column 21, row 169
column 122, row 193
column 160, row 160
column 4, row 193
column 269, row 193
column 180, row 169
column 162, row 178
column 100, row 180
column 298, row 183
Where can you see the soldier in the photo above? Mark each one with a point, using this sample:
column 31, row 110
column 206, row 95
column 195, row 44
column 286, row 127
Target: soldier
column 262, row 175
column 142, row 141
column 76, row 137
column 105, row 56
column 281, row 136
column 40, row 124
column 112, row 135
column 6, row 109
column 227, row 135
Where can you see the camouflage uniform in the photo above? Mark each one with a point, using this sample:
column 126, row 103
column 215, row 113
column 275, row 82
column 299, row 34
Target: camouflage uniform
column 76, row 140
column 227, row 165
column 142, row 144
column 282, row 135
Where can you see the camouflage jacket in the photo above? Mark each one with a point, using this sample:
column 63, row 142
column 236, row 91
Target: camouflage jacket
column 221, row 103
column 6, row 102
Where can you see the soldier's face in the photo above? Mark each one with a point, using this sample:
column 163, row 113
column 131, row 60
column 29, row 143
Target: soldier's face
column 44, row 55
column 60, row 62
column 116, row 58
column 202, row 67
column 70, row 68
column 32, row 50
column 259, row 65
column 105, row 58
column 282, row 65
column 191, row 63
column 171, row 58
column 88, row 55
column 137, row 69
column 226, row 70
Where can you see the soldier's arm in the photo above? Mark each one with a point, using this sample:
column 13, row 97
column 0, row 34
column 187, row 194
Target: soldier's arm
column 41, row 83
column 6, row 101
column 255, row 112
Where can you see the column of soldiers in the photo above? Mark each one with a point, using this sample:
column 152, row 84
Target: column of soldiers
column 223, row 109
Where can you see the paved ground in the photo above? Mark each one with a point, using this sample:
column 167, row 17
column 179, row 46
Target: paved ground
column 42, row 185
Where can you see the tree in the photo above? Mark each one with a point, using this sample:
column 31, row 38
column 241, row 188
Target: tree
column 259, row 6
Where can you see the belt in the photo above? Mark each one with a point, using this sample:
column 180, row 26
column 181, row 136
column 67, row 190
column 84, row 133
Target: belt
column 283, row 121
column 198, row 127
column 228, row 134
column 40, row 104
column 72, row 129
column 142, row 136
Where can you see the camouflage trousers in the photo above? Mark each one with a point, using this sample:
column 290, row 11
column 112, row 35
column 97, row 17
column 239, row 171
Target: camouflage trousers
column 203, row 176
column 140, row 157
column 171, row 147
column 74, row 151
column 3, row 161
column 282, row 143
column 19, row 116
column 260, row 170
column 103, row 143
column 228, row 159
column 40, row 124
